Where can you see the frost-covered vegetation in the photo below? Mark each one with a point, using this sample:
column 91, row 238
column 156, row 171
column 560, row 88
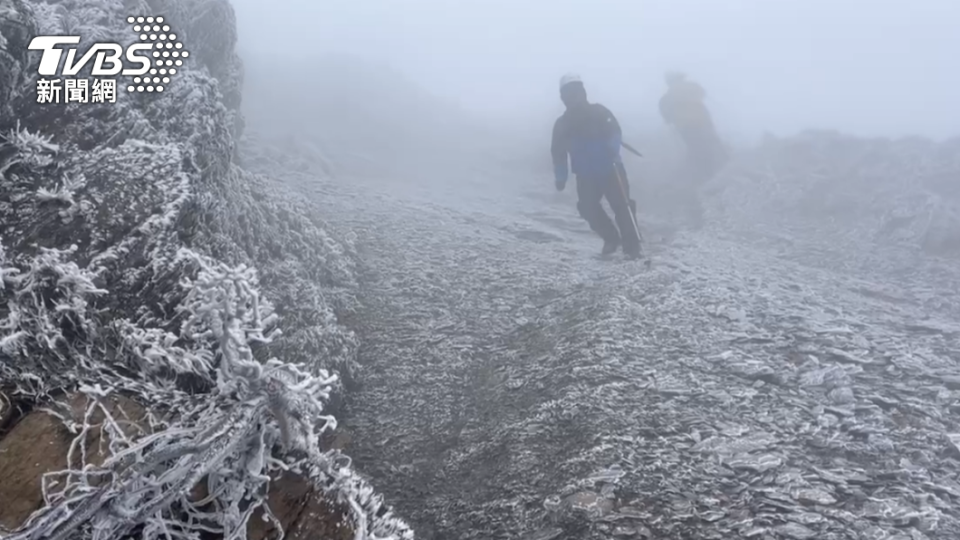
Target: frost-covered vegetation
column 138, row 259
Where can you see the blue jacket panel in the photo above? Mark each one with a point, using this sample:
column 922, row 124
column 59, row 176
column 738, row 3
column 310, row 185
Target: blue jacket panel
column 591, row 136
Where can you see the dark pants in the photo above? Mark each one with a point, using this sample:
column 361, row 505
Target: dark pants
column 591, row 192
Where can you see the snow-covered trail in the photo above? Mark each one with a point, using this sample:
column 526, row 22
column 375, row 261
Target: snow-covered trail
column 516, row 387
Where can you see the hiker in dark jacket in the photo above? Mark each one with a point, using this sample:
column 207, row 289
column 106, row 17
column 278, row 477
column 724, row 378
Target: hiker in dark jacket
column 591, row 136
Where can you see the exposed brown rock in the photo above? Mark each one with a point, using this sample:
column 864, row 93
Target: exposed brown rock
column 36, row 445
column 39, row 443
column 303, row 512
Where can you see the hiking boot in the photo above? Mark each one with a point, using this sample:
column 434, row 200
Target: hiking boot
column 632, row 255
column 610, row 247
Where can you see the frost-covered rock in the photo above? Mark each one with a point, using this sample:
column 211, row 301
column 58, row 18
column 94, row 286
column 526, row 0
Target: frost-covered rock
column 137, row 259
column 516, row 387
column 848, row 191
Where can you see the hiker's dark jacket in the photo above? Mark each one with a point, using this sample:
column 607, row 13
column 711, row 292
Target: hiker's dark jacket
column 591, row 136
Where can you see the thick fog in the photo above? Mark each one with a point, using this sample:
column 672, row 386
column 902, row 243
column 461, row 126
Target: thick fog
column 870, row 67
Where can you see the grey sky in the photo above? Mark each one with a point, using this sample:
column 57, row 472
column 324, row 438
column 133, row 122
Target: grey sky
column 875, row 67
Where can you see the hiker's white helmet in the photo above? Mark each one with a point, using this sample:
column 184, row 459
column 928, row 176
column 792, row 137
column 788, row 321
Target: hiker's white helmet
column 569, row 78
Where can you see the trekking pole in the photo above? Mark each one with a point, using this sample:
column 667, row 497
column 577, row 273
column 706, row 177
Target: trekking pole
column 626, row 200
column 631, row 149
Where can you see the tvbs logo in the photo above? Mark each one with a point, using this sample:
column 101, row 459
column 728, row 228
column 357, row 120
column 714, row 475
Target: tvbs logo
column 106, row 56
column 151, row 62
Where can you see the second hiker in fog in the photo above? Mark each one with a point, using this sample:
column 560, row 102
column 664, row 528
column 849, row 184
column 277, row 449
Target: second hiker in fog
column 591, row 136
column 683, row 107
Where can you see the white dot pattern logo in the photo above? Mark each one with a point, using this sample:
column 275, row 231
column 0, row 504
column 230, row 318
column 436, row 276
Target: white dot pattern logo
column 168, row 52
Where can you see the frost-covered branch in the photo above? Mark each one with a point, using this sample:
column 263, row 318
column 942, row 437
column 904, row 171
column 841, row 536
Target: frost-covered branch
column 31, row 149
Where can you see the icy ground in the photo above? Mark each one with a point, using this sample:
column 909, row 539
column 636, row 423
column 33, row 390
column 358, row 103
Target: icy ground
column 514, row 386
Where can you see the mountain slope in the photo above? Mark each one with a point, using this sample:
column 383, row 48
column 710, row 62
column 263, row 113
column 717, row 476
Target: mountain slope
column 516, row 387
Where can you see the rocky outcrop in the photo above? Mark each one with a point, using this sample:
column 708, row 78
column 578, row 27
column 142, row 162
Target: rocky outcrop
column 140, row 265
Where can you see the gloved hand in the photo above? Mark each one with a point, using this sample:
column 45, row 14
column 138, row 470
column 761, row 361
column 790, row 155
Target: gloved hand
column 560, row 173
